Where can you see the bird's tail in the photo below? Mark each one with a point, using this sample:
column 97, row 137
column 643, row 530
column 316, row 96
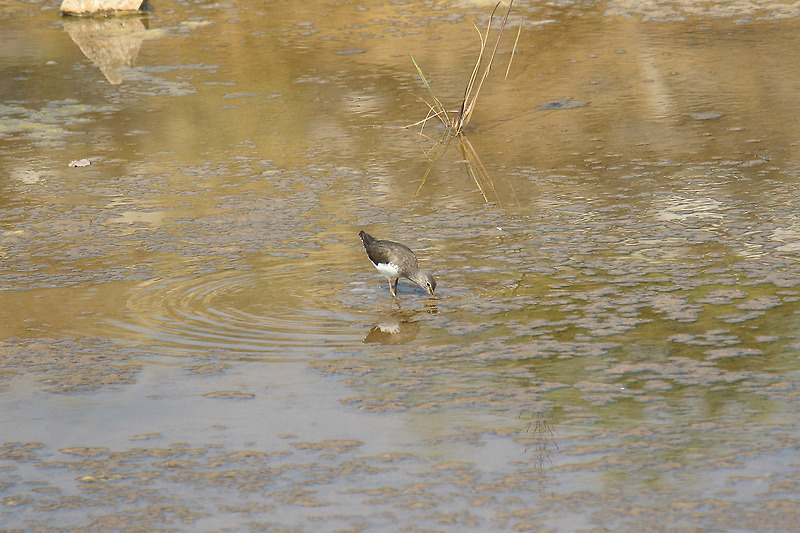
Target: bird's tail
column 366, row 238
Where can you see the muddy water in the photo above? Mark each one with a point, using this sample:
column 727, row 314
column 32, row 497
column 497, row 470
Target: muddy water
column 193, row 339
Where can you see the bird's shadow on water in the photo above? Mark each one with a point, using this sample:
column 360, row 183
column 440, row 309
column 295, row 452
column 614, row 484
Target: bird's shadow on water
column 399, row 326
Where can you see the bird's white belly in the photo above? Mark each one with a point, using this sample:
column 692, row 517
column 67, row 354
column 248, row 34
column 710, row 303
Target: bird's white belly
column 389, row 270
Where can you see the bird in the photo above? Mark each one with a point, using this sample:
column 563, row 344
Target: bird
column 394, row 261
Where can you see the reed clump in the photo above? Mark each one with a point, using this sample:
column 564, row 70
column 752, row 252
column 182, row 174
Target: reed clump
column 454, row 121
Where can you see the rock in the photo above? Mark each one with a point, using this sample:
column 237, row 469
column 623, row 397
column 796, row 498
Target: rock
column 89, row 7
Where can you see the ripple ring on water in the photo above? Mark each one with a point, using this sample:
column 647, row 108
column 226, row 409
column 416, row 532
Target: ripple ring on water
column 252, row 312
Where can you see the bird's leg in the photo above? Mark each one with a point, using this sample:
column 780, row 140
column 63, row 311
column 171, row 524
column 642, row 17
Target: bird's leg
column 395, row 286
column 391, row 289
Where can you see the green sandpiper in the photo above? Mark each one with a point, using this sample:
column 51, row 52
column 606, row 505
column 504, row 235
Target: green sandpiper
column 394, row 261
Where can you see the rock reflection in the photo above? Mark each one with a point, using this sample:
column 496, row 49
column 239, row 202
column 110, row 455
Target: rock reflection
column 110, row 43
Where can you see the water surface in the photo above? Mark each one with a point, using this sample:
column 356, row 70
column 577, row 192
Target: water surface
column 192, row 338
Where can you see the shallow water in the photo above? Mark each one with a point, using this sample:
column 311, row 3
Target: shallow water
column 194, row 340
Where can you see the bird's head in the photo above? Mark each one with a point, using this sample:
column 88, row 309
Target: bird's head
column 427, row 282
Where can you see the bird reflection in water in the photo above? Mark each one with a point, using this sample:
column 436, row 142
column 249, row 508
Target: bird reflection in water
column 400, row 326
